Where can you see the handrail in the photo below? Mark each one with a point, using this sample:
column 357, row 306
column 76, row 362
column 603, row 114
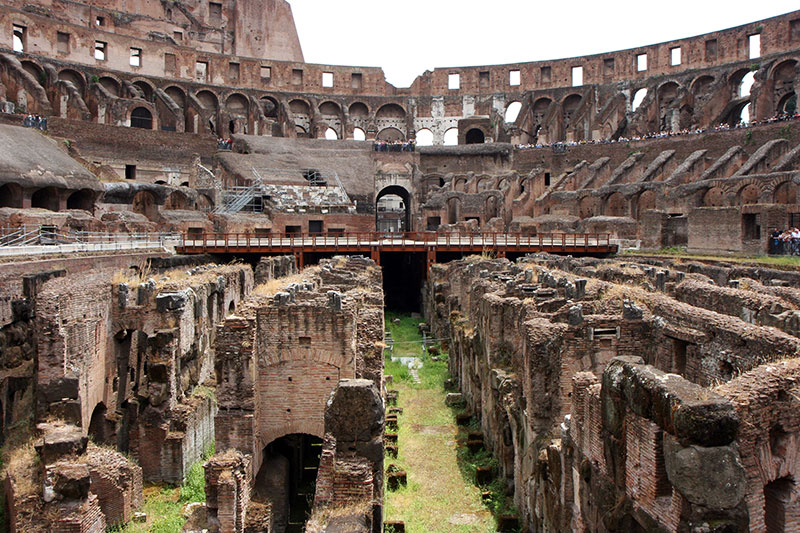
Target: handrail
column 466, row 240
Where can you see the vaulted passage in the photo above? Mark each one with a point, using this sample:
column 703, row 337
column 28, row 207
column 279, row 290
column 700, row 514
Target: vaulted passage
column 287, row 480
column 403, row 275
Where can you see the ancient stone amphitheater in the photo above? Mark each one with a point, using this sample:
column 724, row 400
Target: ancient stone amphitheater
column 200, row 232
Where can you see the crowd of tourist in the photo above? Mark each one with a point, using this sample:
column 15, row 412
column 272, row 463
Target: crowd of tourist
column 224, row 144
column 394, row 146
column 786, row 242
column 35, row 121
column 665, row 134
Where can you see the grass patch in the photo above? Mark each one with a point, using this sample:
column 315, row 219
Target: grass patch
column 437, row 498
column 787, row 262
column 164, row 504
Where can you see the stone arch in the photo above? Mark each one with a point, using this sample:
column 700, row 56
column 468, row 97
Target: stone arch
column 512, row 111
column 300, row 107
column 269, row 106
column 713, row 197
column 475, row 136
column 390, row 135
column 785, row 193
column 787, row 104
column 460, row 184
column 331, row 134
column 405, row 196
column 176, row 200
column 97, row 424
column 111, row 85
column 300, row 131
column 82, row 199
column 748, row 194
column 237, row 104
column 616, row 205
column 177, row 95
column 359, row 134
column 46, row 198
column 204, row 203
column 359, row 110
column 490, row 207
column 208, row 100
column 737, row 83
column 141, row 117
column 668, row 92
column 645, row 201
column 540, row 108
column 74, row 77
column 11, row 195
column 450, row 137
column 781, row 504
column 146, row 88
column 638, row 98
column 391, row 111
column 35, row 70
column 329, row 108
column 569, row 107
column 484, row 184
column 784, row 72
column 701, row 84
column 424, row 137
column 144, row 203
column 587, row 207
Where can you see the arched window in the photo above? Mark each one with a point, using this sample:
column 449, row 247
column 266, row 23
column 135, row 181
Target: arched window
column 424, row 137
column 475, row 136
column 359, row 134
column 638, row 98
column 451, row 137
column 46, row 198
column 747, row 84
column 83, row 199
column 331, row 135
column 512, row 111
column 141, row 118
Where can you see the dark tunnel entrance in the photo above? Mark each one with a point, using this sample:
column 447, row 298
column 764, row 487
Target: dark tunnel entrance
column 287, row 480
column 403, row 276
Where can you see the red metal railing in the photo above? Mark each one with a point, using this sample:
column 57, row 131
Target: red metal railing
column 307, row 241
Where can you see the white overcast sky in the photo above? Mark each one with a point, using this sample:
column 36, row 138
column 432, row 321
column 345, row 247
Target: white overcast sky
column 408, row 37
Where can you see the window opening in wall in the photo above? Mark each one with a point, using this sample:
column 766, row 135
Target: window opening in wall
column 754, row 46
column 641, row 62
column 514, row 78
column 577, row 76
column 679, row 348
column 327, row 79
column 433, row 223
column 546, row 179
column 608, row 66
column 99, row 21
column 638, row 98
column 233, row 70
column 297, row 76
column 201, row 70
column 744, row 117
column 663, row 486
column 315, row 226
column 512, row 111
column 266, row 73
column 546, row 74
column 451, row 137
column 605, row 333
column 777, row 505
column 214, row 11
column 675, row 56
column 335, row 231
column 711, row 50
column 794, row 30
column 331, row 135
column 794, row 220
column 170, row 64
column 424, row 137
column 747, row 84
column 177, row 35
column 130, row 172
column 483, row 79
column 100, row 50
column 136, row 57
column 62, row 42
column 359, row 134
column 751, row 225
column 356, row 80
column 454, row 81
column 293, row 229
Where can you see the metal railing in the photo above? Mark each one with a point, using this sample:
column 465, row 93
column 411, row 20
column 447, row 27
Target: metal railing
column 412, row 239
column 43, row 239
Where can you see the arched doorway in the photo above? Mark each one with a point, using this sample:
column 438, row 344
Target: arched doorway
column 47, row 198
column 392, row 213
column 287, row 479
column 82, row 199
column 144, row 203
column 142, row 118
column 97, row 424
column 10, row 195
column 475, row 136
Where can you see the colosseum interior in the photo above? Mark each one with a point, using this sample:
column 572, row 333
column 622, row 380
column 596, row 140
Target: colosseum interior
column 201, row 233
